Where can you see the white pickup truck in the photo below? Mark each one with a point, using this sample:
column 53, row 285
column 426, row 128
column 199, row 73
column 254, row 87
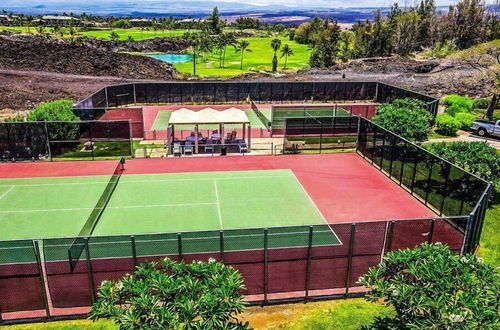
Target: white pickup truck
column 484, row 127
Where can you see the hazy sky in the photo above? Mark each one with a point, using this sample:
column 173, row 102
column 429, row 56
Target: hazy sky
column 288, row 3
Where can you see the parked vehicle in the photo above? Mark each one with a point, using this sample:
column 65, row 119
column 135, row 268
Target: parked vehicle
column 484, row 127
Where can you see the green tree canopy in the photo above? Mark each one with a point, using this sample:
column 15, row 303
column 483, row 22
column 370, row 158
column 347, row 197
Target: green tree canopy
column 173, row 295
column 432, row 287
column 476, row 157
column 406, row 117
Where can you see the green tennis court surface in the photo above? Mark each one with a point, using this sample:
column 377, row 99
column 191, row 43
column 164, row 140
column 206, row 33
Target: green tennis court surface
column 163, row 118
column 285, row 112
column 166, row 203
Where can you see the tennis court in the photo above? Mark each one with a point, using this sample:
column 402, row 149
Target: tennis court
column 155, row 203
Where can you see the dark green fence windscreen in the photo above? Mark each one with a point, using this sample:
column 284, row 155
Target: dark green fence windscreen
column 59, row 140
column 239, row 92
column 440, row 185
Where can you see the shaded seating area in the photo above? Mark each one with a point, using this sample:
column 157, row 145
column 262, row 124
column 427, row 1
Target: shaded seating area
column 220, row 141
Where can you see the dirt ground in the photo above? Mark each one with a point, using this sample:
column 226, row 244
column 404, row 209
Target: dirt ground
column 21, row 90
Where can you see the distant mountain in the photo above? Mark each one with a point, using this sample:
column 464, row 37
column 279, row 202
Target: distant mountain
column 230, row 9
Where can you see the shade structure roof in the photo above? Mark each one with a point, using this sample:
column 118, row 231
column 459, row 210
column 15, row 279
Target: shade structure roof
column 208, row 116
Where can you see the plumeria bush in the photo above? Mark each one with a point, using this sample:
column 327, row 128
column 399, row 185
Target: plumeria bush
column 431, row 287
column 174, row 295
column 405, row 117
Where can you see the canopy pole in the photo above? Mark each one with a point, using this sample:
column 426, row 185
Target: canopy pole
column 249, row 137
column 171, row 138
column 196, row 139
column 244, row 131
column 222, row 138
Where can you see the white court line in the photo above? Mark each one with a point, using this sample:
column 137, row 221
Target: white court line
column 218, row 203
column 8, row 191
column 145, row 181
column 316, row 206
column 109, row 207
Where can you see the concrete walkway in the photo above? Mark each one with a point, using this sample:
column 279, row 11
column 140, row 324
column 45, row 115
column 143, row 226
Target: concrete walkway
column 468, row 136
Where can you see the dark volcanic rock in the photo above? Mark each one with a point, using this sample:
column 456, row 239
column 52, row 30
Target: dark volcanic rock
column 35, row 53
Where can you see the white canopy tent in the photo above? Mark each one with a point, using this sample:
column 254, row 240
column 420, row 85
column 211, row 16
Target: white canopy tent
column 209, row 116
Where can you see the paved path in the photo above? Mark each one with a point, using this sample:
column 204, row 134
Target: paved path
column 468, row 136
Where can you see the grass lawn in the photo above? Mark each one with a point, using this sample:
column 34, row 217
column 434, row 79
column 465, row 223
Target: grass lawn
column 489, row 248
column 104, row 33
column 337, row 314
column 135, row 33
column 258, row 59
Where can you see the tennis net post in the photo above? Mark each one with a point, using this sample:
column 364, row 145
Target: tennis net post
column 78, row 246
column 259, row 114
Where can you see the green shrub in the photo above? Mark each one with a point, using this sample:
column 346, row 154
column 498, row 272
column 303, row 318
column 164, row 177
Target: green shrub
column 447, row 125
column 431, row 287
column 441, row 50
column 462, row 101
column 453, row 109
column 173, row 295
column 58, row 110
column 481, row 103
column 465, row 120
column 15, row 119
column 476, row 157
column 406, row 117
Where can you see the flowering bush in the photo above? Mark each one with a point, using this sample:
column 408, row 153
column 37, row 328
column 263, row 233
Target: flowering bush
column 173, row 295
column 405, row 117
column 431, row 287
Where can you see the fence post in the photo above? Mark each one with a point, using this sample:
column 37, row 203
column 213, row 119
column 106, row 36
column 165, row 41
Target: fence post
column 221, row 242
column 135, row 97
column 89, row 269
column 179, row 246
column 431, row 231
column 48, row 139
column 447, row 182
column 467, row 236
column 321, row 138
column 134, row 251
column 309, row 256
column 391, row 235
column 349, row 262
column 36, row 247
column 265, row 264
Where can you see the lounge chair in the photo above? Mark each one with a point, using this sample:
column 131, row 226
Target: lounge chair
column 209, row 146
column 242, row 146
column 177, row 150
column 188, row 148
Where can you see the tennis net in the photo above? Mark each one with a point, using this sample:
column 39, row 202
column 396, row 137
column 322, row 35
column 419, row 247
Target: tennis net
column 78, row 245
column 259, row 114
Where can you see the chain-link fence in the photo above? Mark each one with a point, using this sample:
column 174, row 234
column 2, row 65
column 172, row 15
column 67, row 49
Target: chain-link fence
column 308, row 261
column 440, row 185
column 240, row 92
column 320, row 134
column 64, row 140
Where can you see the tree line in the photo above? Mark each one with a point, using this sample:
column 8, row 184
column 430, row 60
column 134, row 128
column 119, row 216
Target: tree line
column 402, row 32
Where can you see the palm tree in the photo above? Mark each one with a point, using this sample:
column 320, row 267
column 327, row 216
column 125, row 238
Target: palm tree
column 285, row 52
column 206, row 45
column 29, row 20
column 224, row 40
column 275, row 45
column 114, row 36
column 194, row 42
column 242, row 47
